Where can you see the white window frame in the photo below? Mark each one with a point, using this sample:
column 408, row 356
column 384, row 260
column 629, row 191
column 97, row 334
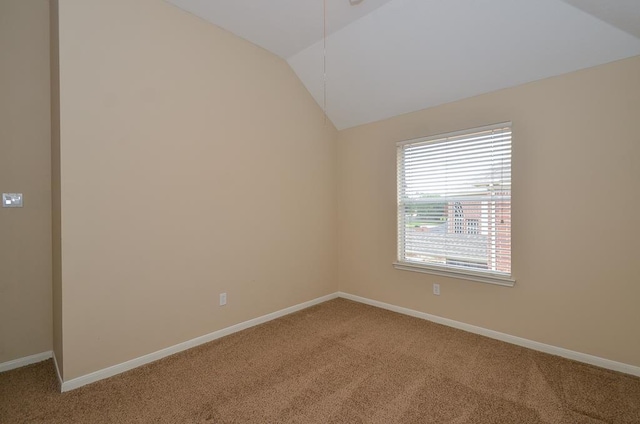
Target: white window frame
column 492, row 277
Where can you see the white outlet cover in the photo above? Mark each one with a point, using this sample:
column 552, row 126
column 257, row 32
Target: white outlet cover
column 11, row 200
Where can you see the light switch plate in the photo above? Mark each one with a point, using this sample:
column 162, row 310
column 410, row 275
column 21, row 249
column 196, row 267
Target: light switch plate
column 11, row 200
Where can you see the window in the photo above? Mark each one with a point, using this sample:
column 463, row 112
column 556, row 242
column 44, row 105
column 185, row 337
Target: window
column 454, row 204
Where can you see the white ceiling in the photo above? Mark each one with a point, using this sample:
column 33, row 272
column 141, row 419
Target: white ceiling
column 283, row 27
column 388, row 57
column 624, row 14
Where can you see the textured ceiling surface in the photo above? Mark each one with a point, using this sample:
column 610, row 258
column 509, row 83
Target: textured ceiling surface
column 388, row 57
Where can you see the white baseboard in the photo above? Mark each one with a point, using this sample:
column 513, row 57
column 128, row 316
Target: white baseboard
column 541, row 347
column 142, row 360
column 134, row 363
column 27, row 360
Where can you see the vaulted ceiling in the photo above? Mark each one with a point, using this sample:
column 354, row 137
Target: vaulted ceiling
column 388, row 57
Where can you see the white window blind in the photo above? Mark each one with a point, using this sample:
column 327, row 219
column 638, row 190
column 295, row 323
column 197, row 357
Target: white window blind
column 454, row 204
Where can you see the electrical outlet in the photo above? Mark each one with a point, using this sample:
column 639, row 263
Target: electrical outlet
column 436, row 289
column 223, row 299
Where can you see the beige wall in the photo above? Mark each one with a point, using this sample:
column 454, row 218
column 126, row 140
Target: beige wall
column 576, row 237
column 192, row 163
column 55, row 189
column 25, row 234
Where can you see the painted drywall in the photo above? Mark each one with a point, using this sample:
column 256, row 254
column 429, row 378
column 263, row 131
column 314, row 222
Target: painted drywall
column 192, row 163
column 55, row 190
column 25, row 233
column 575, row 233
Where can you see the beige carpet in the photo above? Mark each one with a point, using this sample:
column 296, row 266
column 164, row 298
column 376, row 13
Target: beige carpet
column 338, row 362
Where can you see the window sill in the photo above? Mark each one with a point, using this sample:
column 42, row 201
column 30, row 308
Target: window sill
column 489, row 279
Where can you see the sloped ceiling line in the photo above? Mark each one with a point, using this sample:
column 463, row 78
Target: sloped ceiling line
column 389, row 57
